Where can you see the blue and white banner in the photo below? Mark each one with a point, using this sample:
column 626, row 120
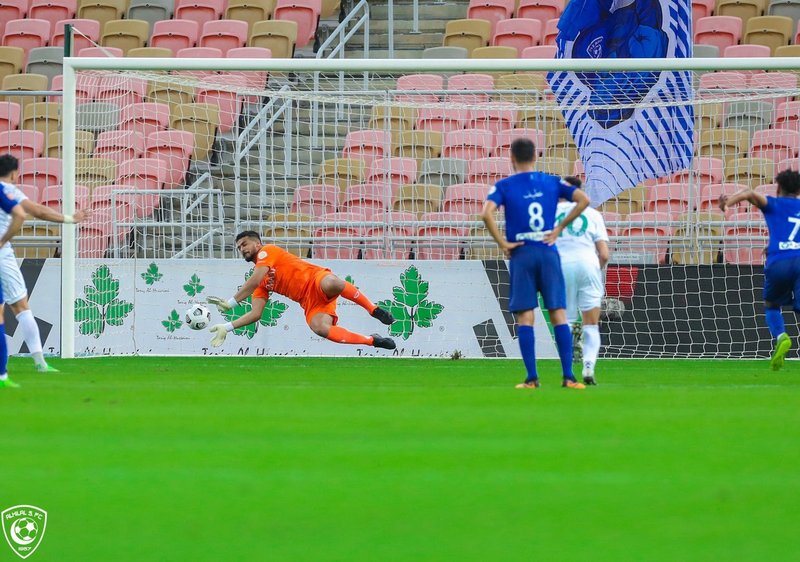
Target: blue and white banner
column 628, row 126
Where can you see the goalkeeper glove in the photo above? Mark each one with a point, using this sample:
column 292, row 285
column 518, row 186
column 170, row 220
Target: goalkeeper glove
column 222, row 305
column 220, row 332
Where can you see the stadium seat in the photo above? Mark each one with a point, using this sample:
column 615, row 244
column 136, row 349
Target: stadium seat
column 492, row 11
column 705, row 51
column 542, row 10
column 707, row 116
column 149, row 173
column 545, row 117
column 702, row 8
column 489, row 170
column 397, row 234
column 440, row 239
column 151, row 53
column 789, row 50
column 723, row 81
column 84, row 144
column 200, row 11
column 97, row 117
column 119, row 146
column 469, row 144
column 42, row 116
column 10, row 115
column 342, row 172
column 742, row 9
column 519, row 33
column 88, row 28
column 550, row 32
column 492, row 116
column 27, row 34
column 420, row 144
column 746, row 242
column 253, row 79
column 224, row 35
column 277, row 36
column 751, row 171
column 12, row 10
column 744, row 51
column 290, row 232
column 697, row 240
column 646, row 234
column 431, row 84
column 250, row 11
column 12, row 61
column 465, row 198
column 445, row 53
column 393, row 171
column 418, row 199
column 610, row 218
column 29, row 190
column 150, row 11
column 51, row 196
column 120, row 90
column 485, row 249
column 393, row 118
column 477, row 84
column 775, row 144
column 443, row 118
column 175, row 148
column 775, row 81
column 627, row 202
column 370, row 199
column 787, row 116
column 539, row 52
column 718, row 31
column 443, row 171
column 726, row 144
column 169, row 94
column 347, row 226
column 24, row 83
column 198, row 53
column 52, row 11
column 772, row 31
column 671, row 198
column 40, row 172
column 202, row 121
column 102, row 11
column 709, row 197
column 704, row 172
column 305, row 13
column 749, row 116
column 468, row 34
column 504, row 138
column 94, row 172
column 125, row 34
column 101, row 52
column 578, row 170
column 92, row 242
column 519, row 88
column 787, row 8
column 175, row 34
column 555, row 166
column 228, row 102
column 560, row 144
column 315, row 199
column 367, row 145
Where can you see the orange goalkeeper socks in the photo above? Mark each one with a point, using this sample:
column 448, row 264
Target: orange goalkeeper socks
column 338, row 334
column 351, row 293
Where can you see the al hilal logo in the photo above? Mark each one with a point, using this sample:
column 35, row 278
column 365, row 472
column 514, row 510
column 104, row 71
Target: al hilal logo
column 24, row 526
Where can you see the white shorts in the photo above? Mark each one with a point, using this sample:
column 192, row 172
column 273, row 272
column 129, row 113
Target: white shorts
column 584, row 284
column 14, row 289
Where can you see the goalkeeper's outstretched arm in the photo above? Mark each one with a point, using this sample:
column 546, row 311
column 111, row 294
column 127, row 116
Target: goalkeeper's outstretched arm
column 220, row 331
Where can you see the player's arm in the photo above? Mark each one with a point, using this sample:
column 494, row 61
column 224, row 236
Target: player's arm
column 487, row 214
column 220, row 331
column 753, row 197
column 602, row 252
column 581, row 201
column 41, row 212
column 14, row 209
column 259, row 273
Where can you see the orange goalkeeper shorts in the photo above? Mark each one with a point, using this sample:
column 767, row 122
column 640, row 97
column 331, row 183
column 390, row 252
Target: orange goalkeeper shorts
column 315, row 301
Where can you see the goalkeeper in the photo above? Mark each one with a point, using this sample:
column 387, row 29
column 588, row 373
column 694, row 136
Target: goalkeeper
column 314, row 288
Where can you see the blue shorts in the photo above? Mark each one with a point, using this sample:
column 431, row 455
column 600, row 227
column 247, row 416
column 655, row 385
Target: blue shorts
column 782, row 282
column 536, row 269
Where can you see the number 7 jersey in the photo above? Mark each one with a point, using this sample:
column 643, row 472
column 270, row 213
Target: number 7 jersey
column 783, row 221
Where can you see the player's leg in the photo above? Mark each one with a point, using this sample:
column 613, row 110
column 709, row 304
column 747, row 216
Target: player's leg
column 778, row 285
column 334, row 287
column 527, row 347
column 590, row 297
column 522, row 301
column 5, row 382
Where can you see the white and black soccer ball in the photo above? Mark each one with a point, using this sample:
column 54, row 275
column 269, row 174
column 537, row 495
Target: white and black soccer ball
column 198, row 317
column 24, row 530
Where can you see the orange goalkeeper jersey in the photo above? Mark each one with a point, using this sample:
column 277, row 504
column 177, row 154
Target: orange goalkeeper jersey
column 292, row 274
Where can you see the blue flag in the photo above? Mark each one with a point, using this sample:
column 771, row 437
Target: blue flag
column 628, row 126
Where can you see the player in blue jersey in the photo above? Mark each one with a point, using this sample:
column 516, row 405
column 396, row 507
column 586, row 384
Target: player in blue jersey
column 530, row 200
column 782, row 270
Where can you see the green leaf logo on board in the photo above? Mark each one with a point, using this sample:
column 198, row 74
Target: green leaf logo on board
column 173, row 321
column 193, row 287
column 272, row 313
column 152, row 274
column 101, row 304
column 410, row 305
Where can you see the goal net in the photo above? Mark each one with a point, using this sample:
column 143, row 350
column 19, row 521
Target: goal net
column 378, row 169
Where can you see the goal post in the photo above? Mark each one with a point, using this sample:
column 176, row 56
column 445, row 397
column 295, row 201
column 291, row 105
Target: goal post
column 281, row 128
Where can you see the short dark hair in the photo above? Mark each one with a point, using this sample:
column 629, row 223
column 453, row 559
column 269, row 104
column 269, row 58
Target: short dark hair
column 8, row 164
column 573, row 181
column 247, row 234
column 788, row 181
column 523, row 150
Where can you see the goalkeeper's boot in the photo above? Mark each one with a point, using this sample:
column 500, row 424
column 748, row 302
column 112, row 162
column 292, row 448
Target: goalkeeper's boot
column 46, row 368
column 782, row 346
column 383, row 343
column 529, row 384
column 569, row 383
column 8, row 383
column 383, row 316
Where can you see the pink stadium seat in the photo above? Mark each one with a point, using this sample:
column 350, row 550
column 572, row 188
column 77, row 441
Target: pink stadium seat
column 466, row 198
column 51, row 197
column 702, row 9
column 519, row 33
column 40, row 172
column 198, row 53
column 490, row 10
column 469, row 144
column 775, row 144
column 720, row 31
column 723, row 81
column 394, row 171
column 28, row 190
column 104, row 213
column 398, row 231
column 175, row 149
column 224, row 35
column 425, row 82
column 477, row 84
column 200, row 11
column 12, row 10
column 765, row 189
column 367, row 145
column 540, row 52
column 735, row 51
column 121, row 90
column 670, row 198
column 504, row 138
column 495, row 117
column 101, row 52
column 175, row 34
column 53, row 11
column 144, row 117
column 27, row 34
column 93, row 240
column 9, row 115
column 788, row 116
column 344, row 225
column 443, row 119
column 119, row 146
column 578, row 170
column 542, row 10
column 315, row 200
column 22, row 144
column 229, row 103
column 440, row 239
column 369, row 199
column 489, row 170
column 709, row 197
column 305, row 13
column 550, row 32
column 89, row 28
column 775, row 81
column 789, row 164
column 253, row 79
column 610, row 217
column 705, row 171
column 653, row 235
column 144, row 174
column 797, row 35
column 745, row 243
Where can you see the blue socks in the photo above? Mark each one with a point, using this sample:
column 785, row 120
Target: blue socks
column 775, row 321
column 527, row 346
column 3, row 350
column 564, row 343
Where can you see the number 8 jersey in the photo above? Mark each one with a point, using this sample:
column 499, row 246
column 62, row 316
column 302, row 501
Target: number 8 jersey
column 530, row 200
column 783, row 220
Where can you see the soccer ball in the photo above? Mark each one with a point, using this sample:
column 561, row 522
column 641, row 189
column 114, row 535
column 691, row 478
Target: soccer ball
column 26, row 529
column 198, row 317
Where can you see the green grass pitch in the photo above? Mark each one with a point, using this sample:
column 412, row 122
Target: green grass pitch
column 211, row 459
